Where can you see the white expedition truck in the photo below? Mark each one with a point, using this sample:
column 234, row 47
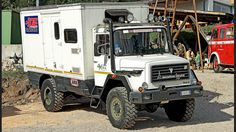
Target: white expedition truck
column 112, row 54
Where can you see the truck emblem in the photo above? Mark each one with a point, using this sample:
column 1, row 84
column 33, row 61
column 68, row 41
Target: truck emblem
column 159, row 75
column 171, row 70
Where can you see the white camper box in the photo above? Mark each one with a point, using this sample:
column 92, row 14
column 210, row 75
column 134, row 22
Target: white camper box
column 46, row 51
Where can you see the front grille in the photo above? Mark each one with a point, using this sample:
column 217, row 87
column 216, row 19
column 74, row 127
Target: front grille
column 169, row 72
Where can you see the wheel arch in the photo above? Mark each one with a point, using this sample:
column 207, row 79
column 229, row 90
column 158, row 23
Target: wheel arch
column 110, row 83
column 214, row 54
column 42, row 78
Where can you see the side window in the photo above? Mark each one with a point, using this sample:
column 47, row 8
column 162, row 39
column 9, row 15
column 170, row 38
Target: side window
column 56, row 31
column 230, row 33
column 70, row 35
column 215, row 34
column 222, row 33
column 101, row 45
column 102, row 38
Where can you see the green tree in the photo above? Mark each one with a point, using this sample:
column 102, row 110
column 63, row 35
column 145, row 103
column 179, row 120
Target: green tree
column 7, row 4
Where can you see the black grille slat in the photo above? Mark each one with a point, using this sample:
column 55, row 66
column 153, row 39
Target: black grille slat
column 163, row 73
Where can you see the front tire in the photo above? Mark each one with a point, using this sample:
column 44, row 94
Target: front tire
column 180, row 110
column 121, row 112
column 52, row 98
column 216, row 66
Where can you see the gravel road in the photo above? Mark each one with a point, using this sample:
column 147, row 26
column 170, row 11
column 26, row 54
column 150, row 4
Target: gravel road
column 214, row 112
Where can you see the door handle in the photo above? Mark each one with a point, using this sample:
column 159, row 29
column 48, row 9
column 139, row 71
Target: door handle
column 95, row 61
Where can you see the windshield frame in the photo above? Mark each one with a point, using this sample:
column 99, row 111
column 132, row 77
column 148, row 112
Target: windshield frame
column 137, row 28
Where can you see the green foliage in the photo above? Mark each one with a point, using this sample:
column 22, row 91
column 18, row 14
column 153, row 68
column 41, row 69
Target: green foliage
column 207, row 29
column 6, row 4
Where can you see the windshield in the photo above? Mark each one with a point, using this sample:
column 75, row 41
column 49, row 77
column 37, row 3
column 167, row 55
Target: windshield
column 140, row 42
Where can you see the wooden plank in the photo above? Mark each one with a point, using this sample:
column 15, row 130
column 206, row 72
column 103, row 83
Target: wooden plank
column 155, row 7
column 173, row 19
column 198, row 36
column 180, row 28
column 166, row 6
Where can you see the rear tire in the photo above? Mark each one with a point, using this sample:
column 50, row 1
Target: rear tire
column 121, row 112
column 216, row 66
column 180, row 110
column 52, row 98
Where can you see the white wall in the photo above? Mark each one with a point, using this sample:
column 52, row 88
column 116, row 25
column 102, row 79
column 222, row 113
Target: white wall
column 9, row 51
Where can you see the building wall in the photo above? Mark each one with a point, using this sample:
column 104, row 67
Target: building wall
column 9, row 51
column 223, row 6
column 188, row 5
column 6, row 27
column 208, row 5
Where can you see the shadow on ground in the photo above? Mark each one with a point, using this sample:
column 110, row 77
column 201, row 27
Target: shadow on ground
column 9, row 111
column 206, row 111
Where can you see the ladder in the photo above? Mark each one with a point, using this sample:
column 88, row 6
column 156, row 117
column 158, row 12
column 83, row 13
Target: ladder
column 95, row 98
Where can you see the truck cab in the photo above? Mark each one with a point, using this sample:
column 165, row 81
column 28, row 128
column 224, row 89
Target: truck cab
column 221, row 47
column 138, row 58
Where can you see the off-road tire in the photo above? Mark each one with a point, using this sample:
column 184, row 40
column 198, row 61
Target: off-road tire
column 57, row 97
column 219, row 68
column 129, row 113
column 180, row 110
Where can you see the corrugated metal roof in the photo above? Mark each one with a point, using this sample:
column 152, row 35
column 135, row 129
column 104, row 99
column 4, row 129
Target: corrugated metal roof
column 84, row 4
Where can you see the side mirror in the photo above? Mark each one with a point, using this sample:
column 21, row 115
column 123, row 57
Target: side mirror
column 101, row 49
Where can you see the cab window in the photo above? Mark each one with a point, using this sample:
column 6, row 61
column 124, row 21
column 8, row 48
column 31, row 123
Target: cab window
column 222, row 33
column 230, row 33
column 215, row 34
column 102, row 38
column 102, row 44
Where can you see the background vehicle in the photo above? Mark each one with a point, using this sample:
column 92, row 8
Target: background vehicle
column 110, row 54
column 221, row 47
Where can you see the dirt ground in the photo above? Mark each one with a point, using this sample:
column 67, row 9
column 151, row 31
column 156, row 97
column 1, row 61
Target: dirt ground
column 214, row 112
column 16, row 88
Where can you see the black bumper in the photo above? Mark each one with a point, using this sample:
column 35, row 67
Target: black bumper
column 173, row 93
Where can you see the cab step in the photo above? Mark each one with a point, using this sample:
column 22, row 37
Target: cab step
column 95, row 97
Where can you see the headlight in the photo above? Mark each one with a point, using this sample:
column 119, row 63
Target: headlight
column 145, row 85
column 150, row 17
column 130, row 18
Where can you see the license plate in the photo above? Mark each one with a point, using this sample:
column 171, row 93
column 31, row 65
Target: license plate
column 184, row 93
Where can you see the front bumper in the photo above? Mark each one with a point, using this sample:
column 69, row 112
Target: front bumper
column 173, row 93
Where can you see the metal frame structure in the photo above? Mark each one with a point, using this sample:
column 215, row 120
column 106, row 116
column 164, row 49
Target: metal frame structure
column 195, row 20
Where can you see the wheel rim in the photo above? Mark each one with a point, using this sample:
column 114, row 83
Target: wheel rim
column 116, row 108
column 215, row 64
column 47, row 96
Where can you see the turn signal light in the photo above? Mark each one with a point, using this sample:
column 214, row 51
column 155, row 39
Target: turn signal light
column 114, row 76
column 141, row 89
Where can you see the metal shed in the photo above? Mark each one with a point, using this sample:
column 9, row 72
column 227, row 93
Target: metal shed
column 11, row 33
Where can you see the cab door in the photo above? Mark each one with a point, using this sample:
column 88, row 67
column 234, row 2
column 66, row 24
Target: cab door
column 222, row 45
column 213, row 42
column 102, row 64
column 229, row 46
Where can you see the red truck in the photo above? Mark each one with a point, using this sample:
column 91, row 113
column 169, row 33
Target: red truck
column 221, row 47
